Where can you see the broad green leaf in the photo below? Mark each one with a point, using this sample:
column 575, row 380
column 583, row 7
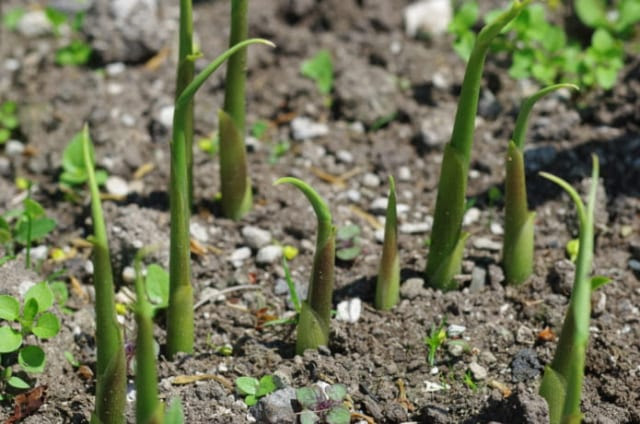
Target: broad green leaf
column 320, row 69
column 55, row 16
column 42, row 294
column 338, row 415
column 348, row 232
column 33, row 208
column 266, row 386
column 39, row 228
column 72, row 157
column 602, row 41
column 599, row 281
column 336, row 392
column 10, row 339
column 348, row 253
column 9, row 308
column 308, row 396
column 174, row 414
column 606, row 77
column 18, row 383
column 157, row 283
column 47, row 326
column 247, row 385
column 308, row 417
column 592, row 13
column 31, row 359
column 29, row 312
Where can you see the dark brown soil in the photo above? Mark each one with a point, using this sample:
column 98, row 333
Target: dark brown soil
column 378, row 71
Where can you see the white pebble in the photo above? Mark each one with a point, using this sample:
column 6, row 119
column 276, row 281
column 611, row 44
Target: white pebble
column 484, row 243
column 471, row 216
column 370, row 180
column 496, row 229
column 39, row 253
column 165, row 116
column 417, row 227
column 431, row 387
column 349, row 310
column 404, row 173
column 478, row 371
column 198, row 232
column 117, row 186
column 379, row 205
column 128, row 274
column 13, row 148
column 34, row 24
column 269, row 254
column 455, row 330
column 344, row 156
column 430, row 16
column 256, row 237
column 304, row 128
column 115, row 68
column 240, row 255
column 354, row 196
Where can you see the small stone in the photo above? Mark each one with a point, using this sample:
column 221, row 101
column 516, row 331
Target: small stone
column 128, row 274
column 240, row 255
column 455, row 330
column 430, row 16
column 431, row 387
column 404, row 173
column 536, row 158
column 117, row 186
column 525, row 335
column 634, row 264
column 5, row 166
column 354, row 196
column 471, row 216
column 379, row 235
column 487, row 357
column 370, row 180
column 349, row 310
column 600, row 303
column 344, row 156
column 198, row 232
column 417, row 227
column 455, row 349
column 303, row 128
column 34, row 24
column 165, row 116
column 11, row 64
column 256, row 237
column 128, row 120
column 439, row 81
column 478, row 371
column 379, row 205
column 269, row 254
column 13, row 148
column 276, row 408
column 116, row 68
column 496, row 229
column 478, row 278
column 412, row 288
column 525, row 366
column 484, row 243
column 39, row 253
column 496, row 274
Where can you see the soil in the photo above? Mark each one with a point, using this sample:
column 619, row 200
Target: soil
column 379, row 72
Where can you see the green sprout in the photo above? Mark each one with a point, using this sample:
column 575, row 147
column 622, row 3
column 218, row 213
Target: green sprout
column 388, row 284
column 148, row 407
column 561, row 384
column 320, row 69
column 234, row 175
column 34, row 318
column 253, row 389
column 180, row 311
column 517, row 252
column 323, row 405
column 74, row 171
column 11, row 18
column 278, row 150
column 436, row 338
column 572, row 248
column 447, row 238
column 111, row 373
column 315, row 313
column 9, row 121
column 467, row 378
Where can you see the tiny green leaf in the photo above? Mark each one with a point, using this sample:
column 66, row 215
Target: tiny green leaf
column 348, row 253
column 247, row 385
column 47, row 326
column 339, row 414
column 71, row 359
column 9, row 308
column 599, row 281
column 29, row 311
column 31, row 359
column 308, row 396
column 250, row 400
column 174, row 414
column 18, row 383
column 348, row 232
column 308, row 417
column 10, row 339
column 42, row 294
column 157, row 283
column 266, row 386
column 320, row 69
column 336, row 392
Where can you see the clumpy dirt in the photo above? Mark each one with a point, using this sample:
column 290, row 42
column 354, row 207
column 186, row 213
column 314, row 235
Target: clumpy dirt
column 381, row 358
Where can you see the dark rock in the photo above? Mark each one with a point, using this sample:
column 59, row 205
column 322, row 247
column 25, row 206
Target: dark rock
column 525, row 366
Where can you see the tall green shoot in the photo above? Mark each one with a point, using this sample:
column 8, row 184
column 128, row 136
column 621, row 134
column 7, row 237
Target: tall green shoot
column 517, row 251
column 111, row 373
column 234, row 175
column 185, row 73
column 388, row 283
column 447, row 238
column 315, row 315
column 180, row 311
column 562, row 381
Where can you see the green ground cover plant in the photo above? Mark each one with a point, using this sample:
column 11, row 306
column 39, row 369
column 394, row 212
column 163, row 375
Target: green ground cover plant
column 447, row 238
column 253, row 389
column 561, row 384
column 319, row 68
column 517, row 250
column 323, row 405
column 315, row 312
column 33, row 317
column 9, row 121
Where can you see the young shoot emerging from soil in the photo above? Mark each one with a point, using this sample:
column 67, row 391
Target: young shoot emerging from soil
column 517, row 251
column 447, row 238
column 315, row 313
column 388, row 285
column 562, row 381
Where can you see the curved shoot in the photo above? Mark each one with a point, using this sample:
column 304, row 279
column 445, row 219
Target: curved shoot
column 315, row 316
column 447, row 239
column 388, row 283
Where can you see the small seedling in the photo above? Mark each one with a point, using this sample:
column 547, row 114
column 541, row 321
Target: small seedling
column 437, row 337
column 259, row 129
column 74, row 172
column 468, row 381
column 388, row 282
column 561, row 384
column 253, row 389
column 77, row 52
column 34, row 317
column 320, row 69
column 156, row 284
column 348, row 245
column 323, row 406
column 11, row 18
column 8, row 120
column 315, row 312
column 278, row 150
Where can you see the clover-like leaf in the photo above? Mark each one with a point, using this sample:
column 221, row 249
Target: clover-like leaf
column 247, row 385
column 42, row 294
column 10, row 339
column 339, row 414
column 266, row 386
column 336, row 392
column 9, row 308
column 31, row 359
column 308, row 396
column 308, row 417
column 47, row 326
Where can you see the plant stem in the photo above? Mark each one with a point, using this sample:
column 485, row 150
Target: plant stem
column 111, row 374
column 234, row 175
column 180, row 310
column 447, row 240
column 388, row 283
column 186, row 70
column 315, row 316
